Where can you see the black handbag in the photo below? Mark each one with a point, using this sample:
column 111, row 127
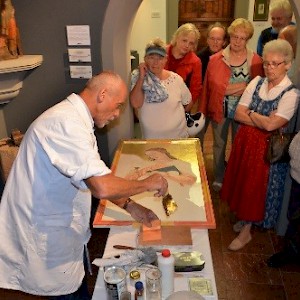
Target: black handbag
column 278, row 148
column 279, row 143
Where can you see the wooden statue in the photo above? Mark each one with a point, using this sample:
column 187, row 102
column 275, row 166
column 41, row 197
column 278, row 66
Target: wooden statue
column 10, row 45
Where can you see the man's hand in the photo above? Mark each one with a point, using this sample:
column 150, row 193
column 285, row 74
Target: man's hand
column 141, row 214
column 157, row 182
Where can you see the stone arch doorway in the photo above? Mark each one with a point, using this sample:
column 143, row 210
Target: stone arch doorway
column 116, row 56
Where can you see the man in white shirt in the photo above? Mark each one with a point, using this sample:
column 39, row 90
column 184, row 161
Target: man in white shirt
column 46, row 203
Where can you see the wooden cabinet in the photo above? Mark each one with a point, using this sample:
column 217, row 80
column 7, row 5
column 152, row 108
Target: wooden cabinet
column 204, row 13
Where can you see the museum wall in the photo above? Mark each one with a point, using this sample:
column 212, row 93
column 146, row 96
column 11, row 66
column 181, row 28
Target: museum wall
column 43, row 31
column 42, row 26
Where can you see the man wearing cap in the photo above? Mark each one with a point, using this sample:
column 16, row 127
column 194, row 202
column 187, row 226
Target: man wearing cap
column 159, row 96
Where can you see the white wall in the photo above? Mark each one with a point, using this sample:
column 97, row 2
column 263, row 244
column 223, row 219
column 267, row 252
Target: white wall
column 258, row 26
column 146, row 27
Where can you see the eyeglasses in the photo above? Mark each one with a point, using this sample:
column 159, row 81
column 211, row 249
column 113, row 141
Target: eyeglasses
column 272, row 64
column 218, row 40
column 240, row 38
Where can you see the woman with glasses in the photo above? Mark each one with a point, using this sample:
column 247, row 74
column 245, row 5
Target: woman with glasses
column 227, row 75
column 252, row 187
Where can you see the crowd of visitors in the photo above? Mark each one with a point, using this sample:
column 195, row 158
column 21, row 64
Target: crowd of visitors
column 46, row 203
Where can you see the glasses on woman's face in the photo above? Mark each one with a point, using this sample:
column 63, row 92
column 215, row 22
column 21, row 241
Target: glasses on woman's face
column 272, row 64
column 240, row 38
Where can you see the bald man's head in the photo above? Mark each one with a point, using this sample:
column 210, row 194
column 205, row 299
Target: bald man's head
column 289, row 33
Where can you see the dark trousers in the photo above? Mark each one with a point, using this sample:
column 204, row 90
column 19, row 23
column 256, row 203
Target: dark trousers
column 292, row 235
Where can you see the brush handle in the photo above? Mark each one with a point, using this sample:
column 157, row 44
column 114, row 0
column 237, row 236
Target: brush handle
column 123, row 247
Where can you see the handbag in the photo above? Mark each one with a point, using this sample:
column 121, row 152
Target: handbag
column 279, row 143
column 278, row 148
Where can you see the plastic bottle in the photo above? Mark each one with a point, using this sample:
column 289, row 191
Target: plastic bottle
column 139, row 291
column 166, row 266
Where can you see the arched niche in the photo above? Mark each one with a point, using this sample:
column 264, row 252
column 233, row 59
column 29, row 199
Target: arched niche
column 116, row 56
column 115, row 52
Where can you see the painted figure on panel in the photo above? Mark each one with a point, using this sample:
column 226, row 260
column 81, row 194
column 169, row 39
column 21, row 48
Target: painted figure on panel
column 165, row 164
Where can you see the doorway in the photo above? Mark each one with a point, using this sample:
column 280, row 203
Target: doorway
column 203, row 13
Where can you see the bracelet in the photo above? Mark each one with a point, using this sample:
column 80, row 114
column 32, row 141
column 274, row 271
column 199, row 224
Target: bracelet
column 126, row 203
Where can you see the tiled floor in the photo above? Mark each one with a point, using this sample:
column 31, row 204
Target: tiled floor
column 241, row 275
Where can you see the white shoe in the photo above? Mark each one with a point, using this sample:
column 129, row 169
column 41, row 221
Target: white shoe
column 217, row 186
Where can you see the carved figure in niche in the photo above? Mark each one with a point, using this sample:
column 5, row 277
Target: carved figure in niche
column 10, row 45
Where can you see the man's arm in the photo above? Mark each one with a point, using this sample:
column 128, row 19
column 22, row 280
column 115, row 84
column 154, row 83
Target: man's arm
column 113, row 188
column 118, row 191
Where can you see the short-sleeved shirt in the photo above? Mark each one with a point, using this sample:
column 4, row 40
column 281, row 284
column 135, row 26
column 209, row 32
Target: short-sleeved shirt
column 166, row 120
column 288, row 102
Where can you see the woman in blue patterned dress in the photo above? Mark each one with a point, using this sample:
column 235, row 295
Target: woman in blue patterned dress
column 252, row 187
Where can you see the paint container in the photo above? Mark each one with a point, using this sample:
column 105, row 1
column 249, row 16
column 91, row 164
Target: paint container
column 115, row 282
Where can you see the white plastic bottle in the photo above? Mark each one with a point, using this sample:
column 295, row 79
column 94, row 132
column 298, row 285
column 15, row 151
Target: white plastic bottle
column 166, row 266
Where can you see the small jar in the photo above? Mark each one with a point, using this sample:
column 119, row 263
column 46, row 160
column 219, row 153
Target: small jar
column 139, row 291
column 134, row 276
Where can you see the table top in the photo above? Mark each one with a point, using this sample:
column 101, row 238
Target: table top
column 127, row 235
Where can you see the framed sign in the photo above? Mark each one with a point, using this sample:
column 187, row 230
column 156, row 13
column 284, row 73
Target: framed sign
column 261, row 10
column 181, row 163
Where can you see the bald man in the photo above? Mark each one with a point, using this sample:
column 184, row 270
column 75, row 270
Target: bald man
column 46, row 203
column 289, row 33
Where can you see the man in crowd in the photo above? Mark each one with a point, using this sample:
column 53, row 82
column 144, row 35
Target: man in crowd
column 46, row 203
column 216, row 40
column 281, row 14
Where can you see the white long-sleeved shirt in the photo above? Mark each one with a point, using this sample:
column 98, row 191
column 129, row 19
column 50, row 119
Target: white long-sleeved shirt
column 45, row 207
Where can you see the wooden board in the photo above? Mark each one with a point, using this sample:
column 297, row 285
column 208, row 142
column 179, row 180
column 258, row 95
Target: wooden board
column 171, row 235
column 186, row 175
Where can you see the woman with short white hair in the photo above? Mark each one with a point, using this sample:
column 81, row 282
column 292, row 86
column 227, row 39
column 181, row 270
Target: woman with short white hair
column 252, row 186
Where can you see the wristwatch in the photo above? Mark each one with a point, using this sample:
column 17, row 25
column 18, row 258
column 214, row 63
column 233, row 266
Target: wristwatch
column 126, row 203
column 250, row 112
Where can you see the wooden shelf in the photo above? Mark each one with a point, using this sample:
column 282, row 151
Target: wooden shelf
column 12, row 74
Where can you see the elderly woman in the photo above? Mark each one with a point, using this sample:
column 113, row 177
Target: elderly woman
column 183, row 60
column 159, row 95
column 252, row 187
column 227, row 75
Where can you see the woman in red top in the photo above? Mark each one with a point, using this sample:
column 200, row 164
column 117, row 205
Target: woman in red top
column 227, row 75
column 183, row 61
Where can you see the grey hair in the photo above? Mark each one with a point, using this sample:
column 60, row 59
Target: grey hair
column 282, row 4
column 217, row 25
column 157, row 43
column 108, row 79
column 280, row 46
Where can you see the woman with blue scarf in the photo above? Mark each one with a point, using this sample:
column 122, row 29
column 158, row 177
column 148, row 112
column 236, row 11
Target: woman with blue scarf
column 159, row 96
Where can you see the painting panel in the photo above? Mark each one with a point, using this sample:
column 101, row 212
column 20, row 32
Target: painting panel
column 181, row 163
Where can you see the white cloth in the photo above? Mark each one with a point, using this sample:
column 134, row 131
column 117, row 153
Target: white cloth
column 45, row 207
column 166, row 120
column 287, row 104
